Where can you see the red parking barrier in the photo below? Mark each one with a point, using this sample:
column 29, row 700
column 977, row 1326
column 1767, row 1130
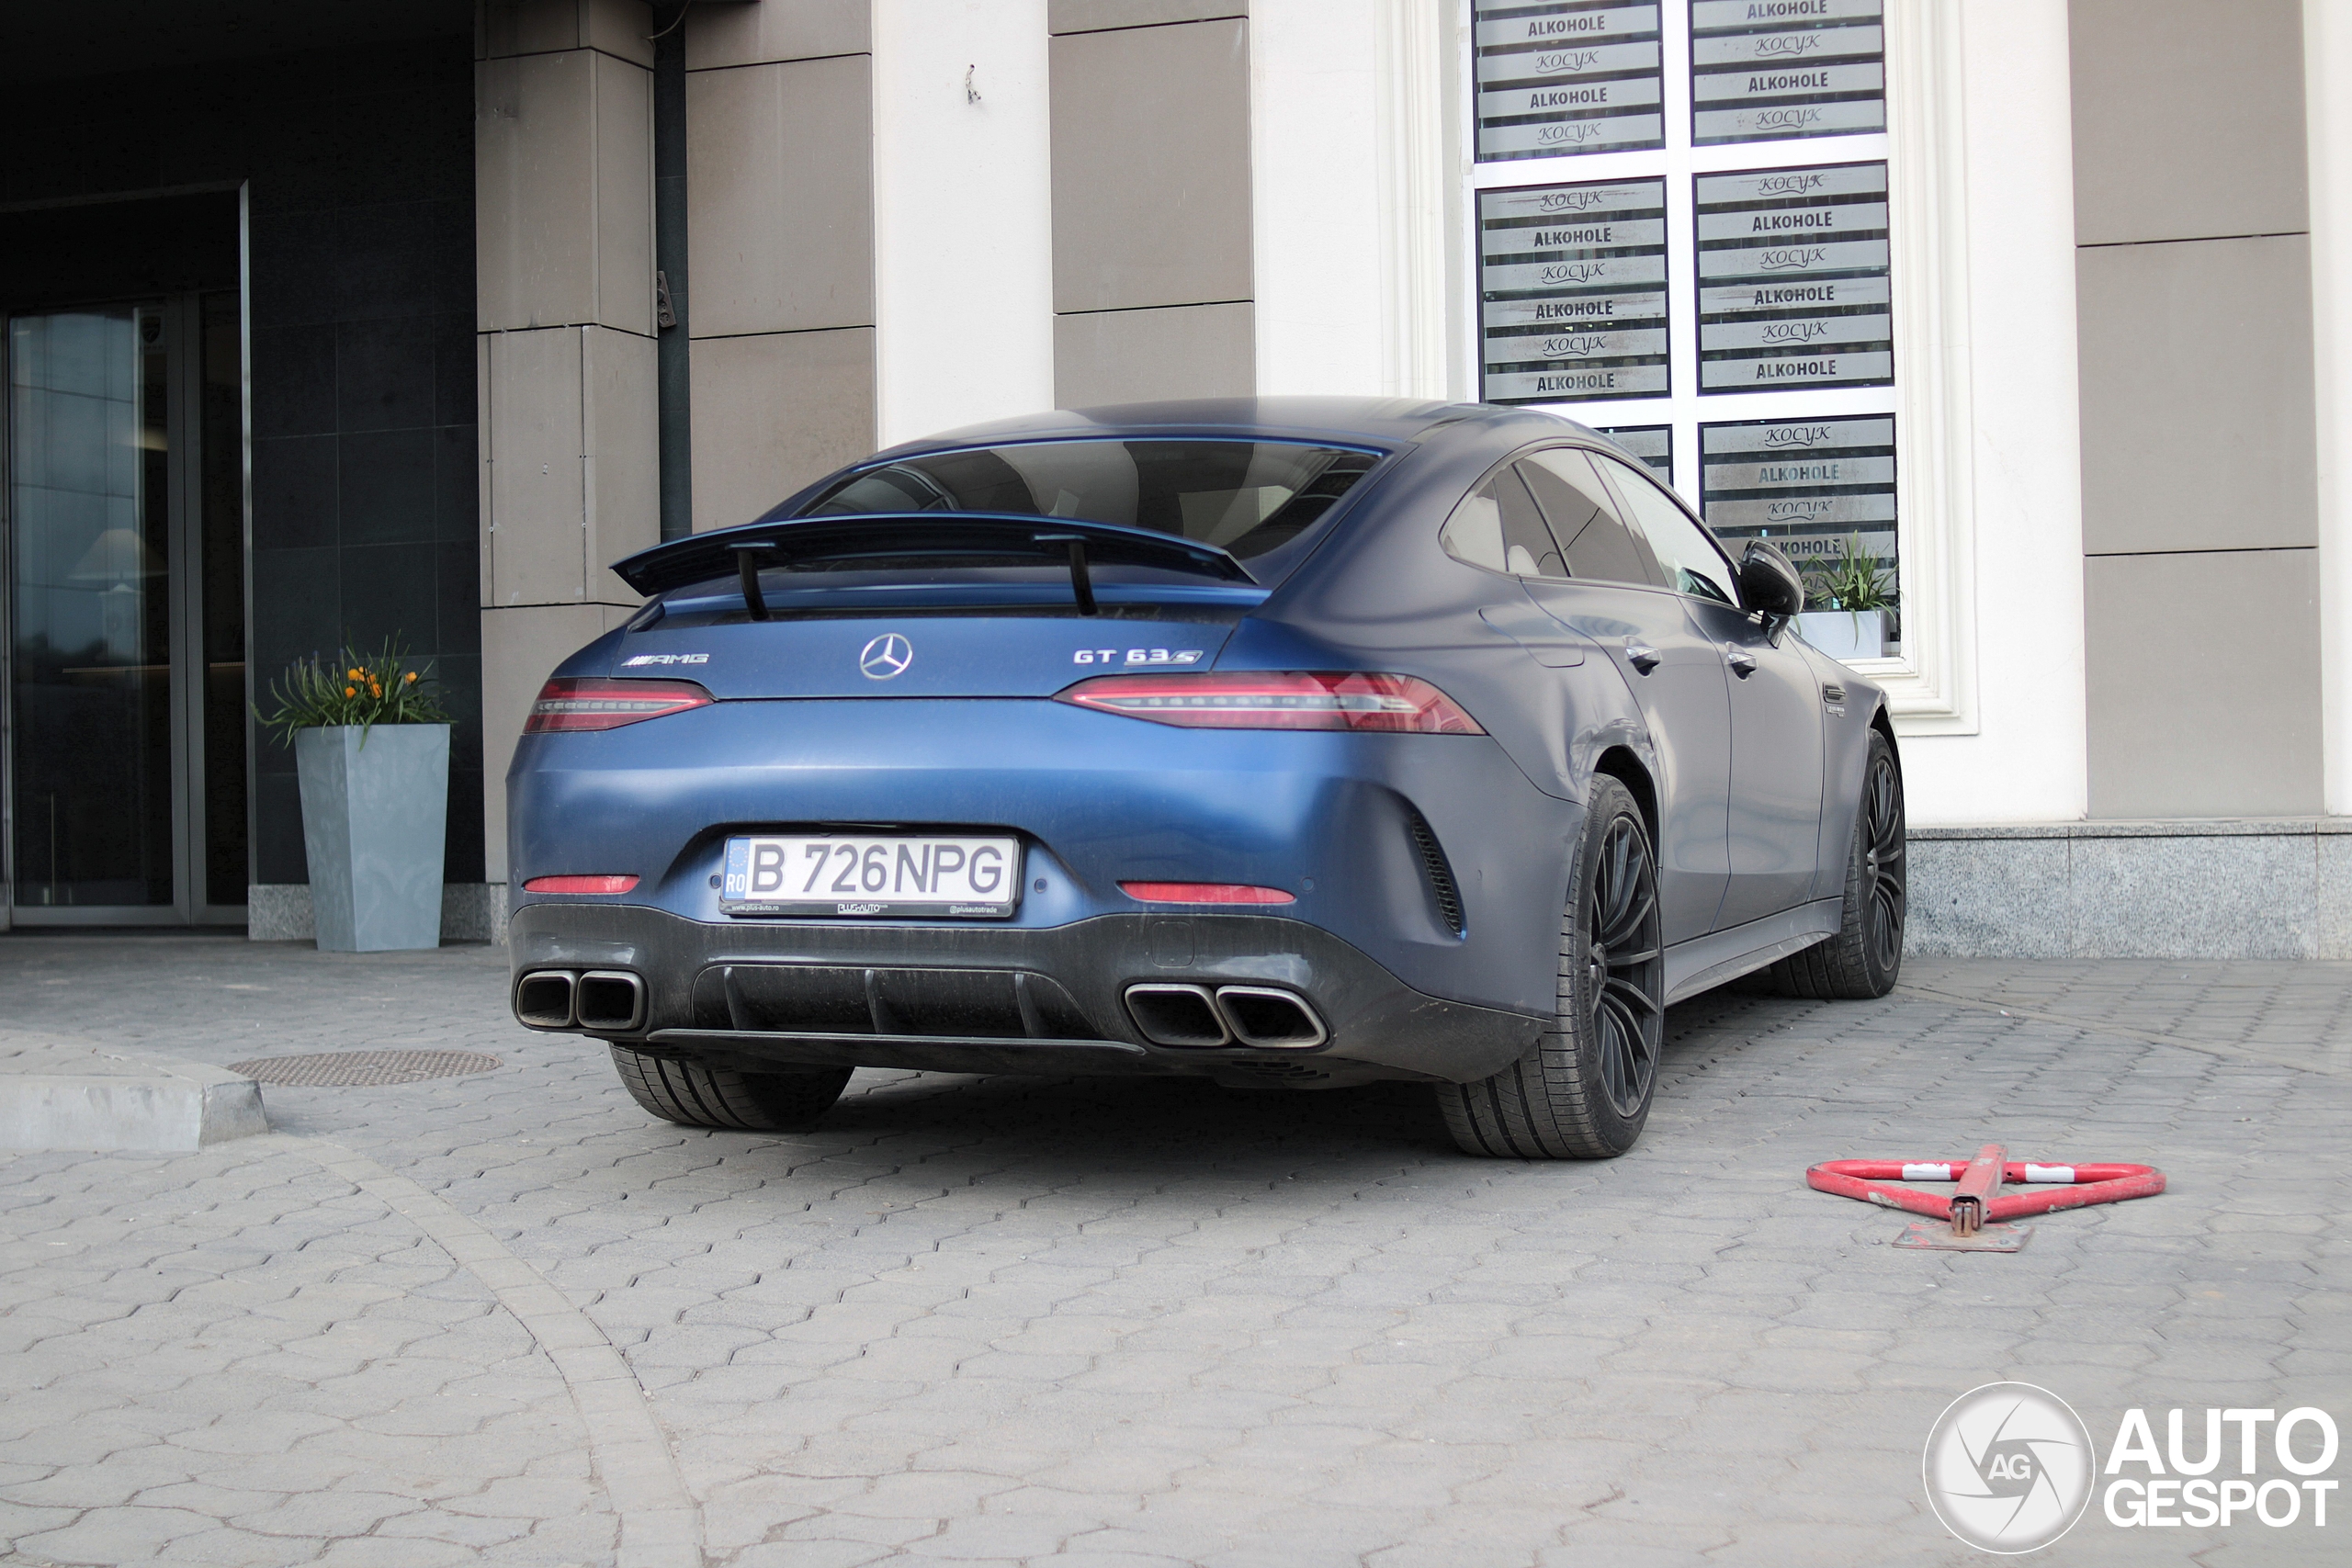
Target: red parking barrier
column 1979, row 1199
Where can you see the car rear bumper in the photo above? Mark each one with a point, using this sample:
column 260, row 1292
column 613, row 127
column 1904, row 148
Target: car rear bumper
column 770, row 995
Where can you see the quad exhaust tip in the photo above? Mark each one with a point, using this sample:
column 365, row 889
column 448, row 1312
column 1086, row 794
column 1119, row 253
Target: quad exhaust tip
column 1262, row 1015
column 1171, row 1014
column 610, row 1001
column 1194, row 1017
column 543, row 998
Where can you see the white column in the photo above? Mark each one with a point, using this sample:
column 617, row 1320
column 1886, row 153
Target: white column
column 2028, row 760
column 963, row 214
column 1316, row 196
column 2327, row 97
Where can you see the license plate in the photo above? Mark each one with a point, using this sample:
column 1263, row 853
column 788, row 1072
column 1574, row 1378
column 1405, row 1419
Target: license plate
column 838, row 875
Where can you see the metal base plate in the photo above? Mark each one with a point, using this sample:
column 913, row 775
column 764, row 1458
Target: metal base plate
column 1937, row 1236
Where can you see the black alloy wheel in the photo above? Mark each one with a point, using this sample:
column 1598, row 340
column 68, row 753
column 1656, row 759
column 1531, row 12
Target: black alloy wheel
column 1884, row 870
column 1583, row 1089
column 1627, row 968
column 1863, row 959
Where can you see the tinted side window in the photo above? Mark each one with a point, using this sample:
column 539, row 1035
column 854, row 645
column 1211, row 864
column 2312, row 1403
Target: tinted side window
column 1498, row 526
column 1599, row 547
column 1689, row 558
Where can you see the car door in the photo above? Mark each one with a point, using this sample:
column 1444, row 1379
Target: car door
column 1776, row 722
column 1607, row 586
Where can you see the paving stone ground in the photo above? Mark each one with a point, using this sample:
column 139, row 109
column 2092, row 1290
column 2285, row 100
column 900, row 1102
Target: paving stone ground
column 1092, row 1323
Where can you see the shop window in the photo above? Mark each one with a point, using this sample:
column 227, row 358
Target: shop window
column 1686, row 218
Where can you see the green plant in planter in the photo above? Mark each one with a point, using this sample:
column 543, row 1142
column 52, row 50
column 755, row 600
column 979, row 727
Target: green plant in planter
column 360, row 689
column 1855, row 582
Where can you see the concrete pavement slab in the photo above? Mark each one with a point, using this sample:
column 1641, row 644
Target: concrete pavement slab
column 998, row 1321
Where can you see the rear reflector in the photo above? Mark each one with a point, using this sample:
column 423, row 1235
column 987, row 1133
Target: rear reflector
column 565, row 705
column 1204, row 893
column 580, row 884
column 1279, row 699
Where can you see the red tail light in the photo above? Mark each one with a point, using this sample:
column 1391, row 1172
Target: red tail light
column 1279, row 699
column 580, row 884
column 1204, row 893
column 566, row 705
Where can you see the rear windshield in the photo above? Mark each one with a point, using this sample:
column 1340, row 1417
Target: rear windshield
column 1249, row 498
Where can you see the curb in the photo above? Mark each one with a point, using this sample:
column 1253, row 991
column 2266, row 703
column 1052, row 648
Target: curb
column 66, row 1095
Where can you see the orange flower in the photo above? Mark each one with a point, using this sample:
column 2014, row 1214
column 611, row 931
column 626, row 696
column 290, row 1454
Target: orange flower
column 412, row 677
column 348, row 692
column 355, row 674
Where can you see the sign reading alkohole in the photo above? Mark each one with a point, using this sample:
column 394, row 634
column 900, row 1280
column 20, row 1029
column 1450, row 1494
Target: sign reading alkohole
column 1560, row 78
column 1792, row 278
column 1571, row 291
column 1769, row 70
column 1817, row 487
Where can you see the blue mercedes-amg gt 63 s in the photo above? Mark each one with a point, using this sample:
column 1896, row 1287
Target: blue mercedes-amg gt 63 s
column 1292, row 742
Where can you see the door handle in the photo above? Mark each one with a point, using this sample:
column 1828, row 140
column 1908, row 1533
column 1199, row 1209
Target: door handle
column 1641, row 656
column 1742, row 662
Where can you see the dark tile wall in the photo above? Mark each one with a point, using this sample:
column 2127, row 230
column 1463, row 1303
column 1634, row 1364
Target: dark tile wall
column 359, row 171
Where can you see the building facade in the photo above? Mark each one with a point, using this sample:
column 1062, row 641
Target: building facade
column 2024, row 326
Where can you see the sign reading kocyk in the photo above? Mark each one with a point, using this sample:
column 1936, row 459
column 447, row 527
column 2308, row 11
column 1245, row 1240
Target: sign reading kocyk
column 1567, row 76
column 1571, row 291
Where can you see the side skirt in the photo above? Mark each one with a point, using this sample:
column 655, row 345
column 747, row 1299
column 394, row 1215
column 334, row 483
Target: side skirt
column 1703, row 962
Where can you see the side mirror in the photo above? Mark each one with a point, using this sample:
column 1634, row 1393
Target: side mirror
column 1768, row 583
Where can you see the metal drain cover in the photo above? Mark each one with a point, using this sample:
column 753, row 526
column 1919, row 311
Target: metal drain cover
column 358, row 1069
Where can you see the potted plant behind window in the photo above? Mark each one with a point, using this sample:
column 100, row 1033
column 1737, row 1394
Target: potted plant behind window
column 372, row 745
column 1857, row 616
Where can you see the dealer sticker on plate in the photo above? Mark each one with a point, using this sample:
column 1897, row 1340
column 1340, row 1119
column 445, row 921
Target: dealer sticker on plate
column 884, row 875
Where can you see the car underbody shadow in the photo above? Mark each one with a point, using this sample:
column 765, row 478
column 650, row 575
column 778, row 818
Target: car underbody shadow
column 1102, row 1122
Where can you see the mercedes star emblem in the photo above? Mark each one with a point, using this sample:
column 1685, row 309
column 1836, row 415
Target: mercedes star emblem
column 886, row 656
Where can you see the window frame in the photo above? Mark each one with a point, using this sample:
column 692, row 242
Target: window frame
column 1639, row 539
column 1731, row 568
column 1592, row 451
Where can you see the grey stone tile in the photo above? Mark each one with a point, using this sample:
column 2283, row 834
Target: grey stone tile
column 985, row 1320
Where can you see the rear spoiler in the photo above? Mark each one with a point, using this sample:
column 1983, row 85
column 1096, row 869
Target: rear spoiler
column 879, row 541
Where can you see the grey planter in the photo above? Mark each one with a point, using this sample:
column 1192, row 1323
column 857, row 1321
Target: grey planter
column 1847, row 635
column 373, row 818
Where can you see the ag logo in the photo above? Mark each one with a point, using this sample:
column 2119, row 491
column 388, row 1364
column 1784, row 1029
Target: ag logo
column 886, row 656
column 2008, row 1467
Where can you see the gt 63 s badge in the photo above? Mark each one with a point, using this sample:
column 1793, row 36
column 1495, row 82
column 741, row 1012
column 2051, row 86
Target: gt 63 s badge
column 1136, row 656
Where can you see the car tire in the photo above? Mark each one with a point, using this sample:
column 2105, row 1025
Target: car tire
column 1863, row 959
column 1583, row 1090
column 695, row 1095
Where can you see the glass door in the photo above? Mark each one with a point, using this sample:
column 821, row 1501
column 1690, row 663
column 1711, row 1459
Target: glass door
column 125, row 615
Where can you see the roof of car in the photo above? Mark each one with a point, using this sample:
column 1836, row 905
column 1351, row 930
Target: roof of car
column 1378, row 420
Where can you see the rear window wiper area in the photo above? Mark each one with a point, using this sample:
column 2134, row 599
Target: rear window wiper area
column 916, row 546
